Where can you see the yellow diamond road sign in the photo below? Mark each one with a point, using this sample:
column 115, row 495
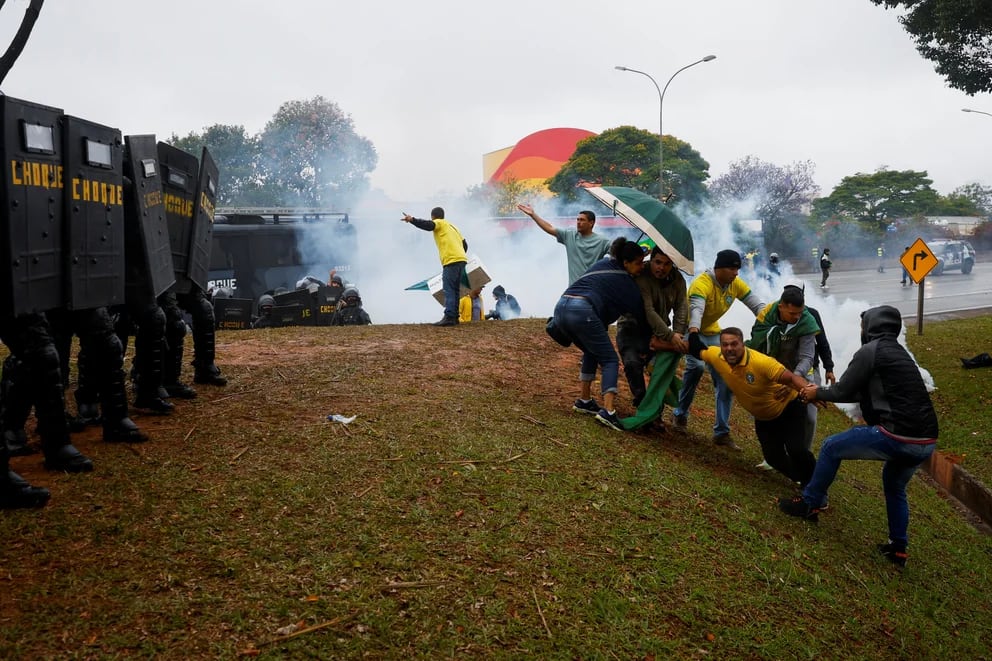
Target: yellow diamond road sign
column 918, row 261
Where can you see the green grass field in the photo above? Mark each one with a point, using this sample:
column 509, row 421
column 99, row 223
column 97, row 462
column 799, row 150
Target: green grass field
column 469, row 513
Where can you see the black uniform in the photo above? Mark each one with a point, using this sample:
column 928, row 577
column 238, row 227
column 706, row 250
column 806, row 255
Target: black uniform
column 29, row 337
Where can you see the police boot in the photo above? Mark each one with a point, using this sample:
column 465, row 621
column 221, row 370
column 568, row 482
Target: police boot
column 15, row 406
column 87, row 413
column 172, row 368
column 123, row 431
column 16, row 441
column 209, row 375
column 86, row 395
column 154, row 404
column 16, row 493
column 66, row 458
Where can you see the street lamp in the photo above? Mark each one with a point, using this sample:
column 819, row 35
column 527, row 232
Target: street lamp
column 980, row 112
column 661, row 110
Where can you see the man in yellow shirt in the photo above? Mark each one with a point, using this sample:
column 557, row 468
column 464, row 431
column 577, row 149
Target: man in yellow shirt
column 769, row 392
column 710, row 296
column 451, row 248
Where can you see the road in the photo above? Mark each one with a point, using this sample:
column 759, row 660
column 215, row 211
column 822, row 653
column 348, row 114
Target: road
column 945, row 295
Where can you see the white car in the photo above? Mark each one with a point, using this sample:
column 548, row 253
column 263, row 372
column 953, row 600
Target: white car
column 952, row 255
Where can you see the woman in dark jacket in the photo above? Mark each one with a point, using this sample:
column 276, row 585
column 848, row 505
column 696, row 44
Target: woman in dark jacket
column 585, row 312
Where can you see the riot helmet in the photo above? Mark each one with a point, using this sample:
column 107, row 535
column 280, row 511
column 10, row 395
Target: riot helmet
column 351, row 296
column 266, row 302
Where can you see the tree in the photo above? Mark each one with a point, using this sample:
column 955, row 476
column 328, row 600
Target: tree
column 310, row 149
column 502, row 197
column 955, row 205
column 874, row 200
column 628, row 156
column 980, row 196
column 237, row 156
column 954, row 34
column 772, row 193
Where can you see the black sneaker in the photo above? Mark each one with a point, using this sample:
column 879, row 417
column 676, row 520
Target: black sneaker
column 798, row 507
column 589, row 407
column 611, row 420
column 447, row 321
column 893, row 553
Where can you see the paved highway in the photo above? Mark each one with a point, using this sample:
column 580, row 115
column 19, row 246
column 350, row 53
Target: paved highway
column 944, row 295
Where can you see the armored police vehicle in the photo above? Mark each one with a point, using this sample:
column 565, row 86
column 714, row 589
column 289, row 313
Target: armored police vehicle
column 260, row 250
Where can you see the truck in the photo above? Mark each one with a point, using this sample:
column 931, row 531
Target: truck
column 259, row 250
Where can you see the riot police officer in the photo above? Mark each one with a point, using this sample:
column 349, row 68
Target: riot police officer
column 28, row 336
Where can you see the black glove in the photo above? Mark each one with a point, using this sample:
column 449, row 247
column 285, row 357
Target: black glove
column 696, row 346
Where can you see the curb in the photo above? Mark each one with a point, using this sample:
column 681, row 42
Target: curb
column 947, row 472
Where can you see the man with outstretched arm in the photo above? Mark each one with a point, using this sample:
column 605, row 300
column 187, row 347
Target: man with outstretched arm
column 451, row 249
column 583, row 247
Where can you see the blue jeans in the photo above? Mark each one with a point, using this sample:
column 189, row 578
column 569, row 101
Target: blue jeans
column 451, row 281
column 577, row 318
column 690, row 379
column 901, row 461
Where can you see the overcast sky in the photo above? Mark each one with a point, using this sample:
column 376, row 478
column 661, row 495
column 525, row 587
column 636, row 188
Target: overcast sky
column 435, row 84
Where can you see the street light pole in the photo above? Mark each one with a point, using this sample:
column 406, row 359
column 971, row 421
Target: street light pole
column 661, row 115
column 980, row 112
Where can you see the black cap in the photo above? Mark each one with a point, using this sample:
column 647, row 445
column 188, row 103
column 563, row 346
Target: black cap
column 727, row 259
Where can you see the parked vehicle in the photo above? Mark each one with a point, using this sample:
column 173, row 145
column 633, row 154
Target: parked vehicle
column 952, row 255
column 260, row 250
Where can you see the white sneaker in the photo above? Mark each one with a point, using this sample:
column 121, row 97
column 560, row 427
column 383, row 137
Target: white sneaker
column 765, row 466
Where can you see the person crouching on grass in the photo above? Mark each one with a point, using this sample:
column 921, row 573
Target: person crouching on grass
column 584, row 313
column 770, row 393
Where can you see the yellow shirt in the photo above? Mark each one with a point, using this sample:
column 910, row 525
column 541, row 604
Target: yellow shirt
column 717, row 299
column 754, row 382
column 449, row 242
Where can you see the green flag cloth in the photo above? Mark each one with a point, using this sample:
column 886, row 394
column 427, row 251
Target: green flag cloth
column 663, row 388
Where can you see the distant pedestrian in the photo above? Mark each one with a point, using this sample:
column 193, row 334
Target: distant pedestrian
column 825, row 265
column 905, row 273
column 583, row 247
column 881, row 258
column 451, row 248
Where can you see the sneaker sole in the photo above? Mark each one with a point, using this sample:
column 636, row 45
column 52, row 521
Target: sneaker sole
column 607, row 423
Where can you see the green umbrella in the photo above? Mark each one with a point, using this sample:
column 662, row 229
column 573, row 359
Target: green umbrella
column 653, row 218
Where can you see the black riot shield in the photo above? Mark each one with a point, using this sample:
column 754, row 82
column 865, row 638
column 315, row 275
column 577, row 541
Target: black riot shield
column 179, row 179
column 203, row 222
column 94, row 214
column 31, row 277
column 148, row 253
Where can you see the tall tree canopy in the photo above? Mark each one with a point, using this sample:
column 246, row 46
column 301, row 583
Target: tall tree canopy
column 774, row 194
column 874, row 200
column 954, row 34
column 628, row 156
column 311, row 149
column 980, row 196
column 237, row 156
column 307, row 155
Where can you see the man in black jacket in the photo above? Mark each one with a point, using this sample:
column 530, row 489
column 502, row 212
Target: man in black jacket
column 901, row 427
